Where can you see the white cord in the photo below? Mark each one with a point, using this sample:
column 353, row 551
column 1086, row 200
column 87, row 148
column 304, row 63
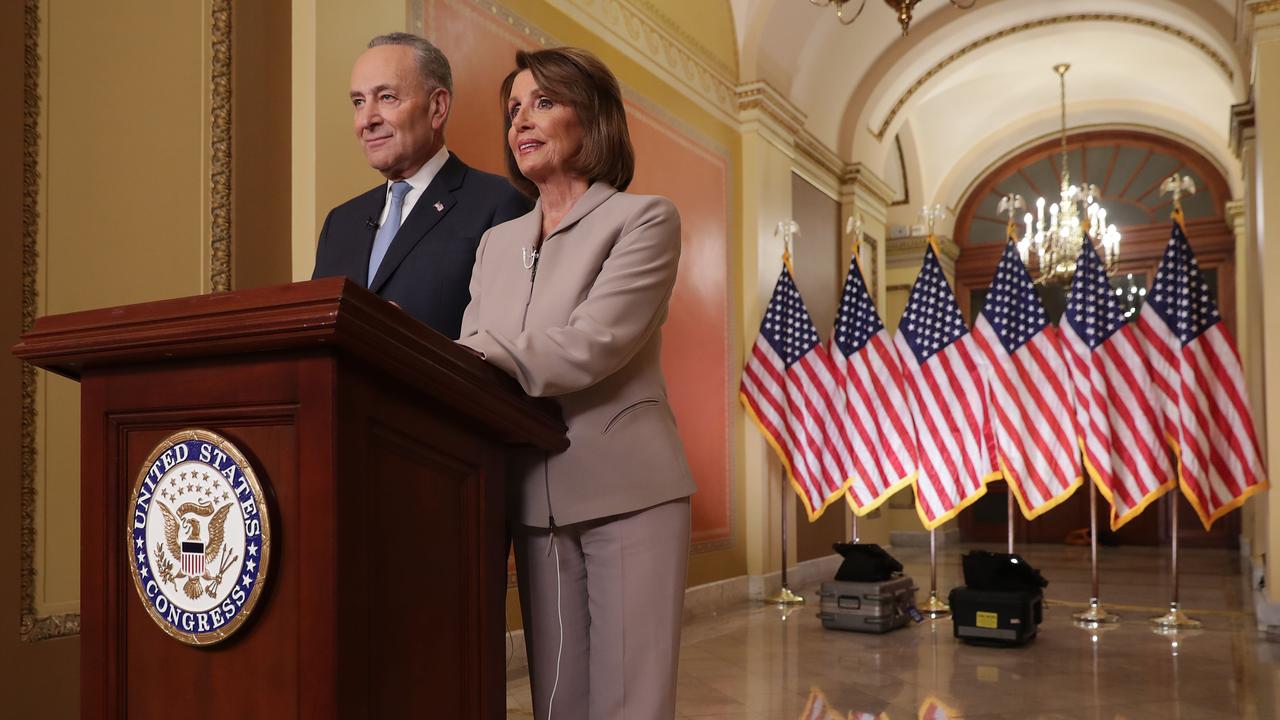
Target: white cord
column 560, row 618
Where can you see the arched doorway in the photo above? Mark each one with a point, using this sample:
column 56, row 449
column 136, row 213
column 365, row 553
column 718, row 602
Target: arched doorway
column 1128, row 167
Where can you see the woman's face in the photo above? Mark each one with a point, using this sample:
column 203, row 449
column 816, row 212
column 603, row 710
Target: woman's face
column 545, row 134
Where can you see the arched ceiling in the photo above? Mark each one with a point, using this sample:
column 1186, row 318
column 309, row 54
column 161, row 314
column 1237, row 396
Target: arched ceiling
column 968, row 88
column 1126, row 167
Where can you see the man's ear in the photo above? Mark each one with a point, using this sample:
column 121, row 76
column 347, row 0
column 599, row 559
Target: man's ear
column 442, row 101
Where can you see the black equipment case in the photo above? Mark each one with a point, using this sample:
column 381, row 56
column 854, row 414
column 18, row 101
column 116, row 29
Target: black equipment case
column 996, row 617
column 873, row 607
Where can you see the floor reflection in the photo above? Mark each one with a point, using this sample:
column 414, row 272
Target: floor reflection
column 755, row 662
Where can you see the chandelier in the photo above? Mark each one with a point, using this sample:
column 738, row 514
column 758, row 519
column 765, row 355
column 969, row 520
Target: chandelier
column 1074, row 218
column 902, row 7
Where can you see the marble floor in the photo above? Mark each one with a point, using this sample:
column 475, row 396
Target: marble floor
column 754, row 662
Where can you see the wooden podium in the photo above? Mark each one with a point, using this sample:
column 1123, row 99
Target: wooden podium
column 380, row 445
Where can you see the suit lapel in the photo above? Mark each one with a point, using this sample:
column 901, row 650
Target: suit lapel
column 432, row 206
column 361, row 225
column 590, row 200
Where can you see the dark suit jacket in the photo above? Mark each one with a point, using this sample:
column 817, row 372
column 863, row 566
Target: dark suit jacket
column 428, row 267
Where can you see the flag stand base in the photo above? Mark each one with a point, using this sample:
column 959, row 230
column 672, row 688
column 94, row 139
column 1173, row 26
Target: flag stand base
column 1175, row 618
column 785, row 597
column 1095, row 615
column 935, row 608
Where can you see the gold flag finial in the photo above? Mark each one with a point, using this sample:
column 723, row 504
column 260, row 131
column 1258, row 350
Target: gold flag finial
column 787, row 230
column 1178, row 184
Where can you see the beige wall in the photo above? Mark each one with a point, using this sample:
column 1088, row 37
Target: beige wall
column 149, row 181
column 33, row 677
column 261, row 151
column 327, row 166
column 1266, row 253
column 139, row 229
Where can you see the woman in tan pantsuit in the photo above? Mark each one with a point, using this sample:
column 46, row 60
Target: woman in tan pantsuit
column 569, row 299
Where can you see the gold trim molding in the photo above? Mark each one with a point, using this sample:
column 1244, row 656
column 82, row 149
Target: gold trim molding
column 761, row 97
column 1262, row 8
column 1243, row 126
column 1048, row 22
column 817, row 152
column 686, row 38
column 666, row 51
column 220, row 148
column 31, row 626
column 897, row 249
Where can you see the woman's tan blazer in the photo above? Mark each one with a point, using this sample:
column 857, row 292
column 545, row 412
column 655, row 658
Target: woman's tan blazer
column 585, row 329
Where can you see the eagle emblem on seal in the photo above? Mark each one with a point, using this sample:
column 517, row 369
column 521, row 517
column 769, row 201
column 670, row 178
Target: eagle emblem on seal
column 197, row 555
column 199, row 533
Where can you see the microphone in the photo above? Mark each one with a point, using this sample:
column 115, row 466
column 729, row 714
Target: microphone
column 370, row 223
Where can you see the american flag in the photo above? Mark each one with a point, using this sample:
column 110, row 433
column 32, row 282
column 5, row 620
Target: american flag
column 1118, row 422
column 944, row 392
column 790, row 389
column 934, row 709
column 880, row 425
column 817, row 707
column 1200, row 385
column 1029, row 395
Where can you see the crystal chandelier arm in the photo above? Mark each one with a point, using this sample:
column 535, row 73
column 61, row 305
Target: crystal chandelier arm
column 840, row 11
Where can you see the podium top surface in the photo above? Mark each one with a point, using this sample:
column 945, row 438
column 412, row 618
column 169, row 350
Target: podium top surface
column 331, row 313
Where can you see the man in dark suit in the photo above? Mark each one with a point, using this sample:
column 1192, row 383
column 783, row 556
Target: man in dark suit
column 412, row 240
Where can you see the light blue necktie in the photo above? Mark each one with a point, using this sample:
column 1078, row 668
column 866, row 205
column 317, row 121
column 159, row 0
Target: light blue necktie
column 386, row 233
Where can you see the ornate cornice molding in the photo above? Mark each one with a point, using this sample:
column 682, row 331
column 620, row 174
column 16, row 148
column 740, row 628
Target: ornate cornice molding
column 32, row 627
column 1262, row 7
column 220, row 148
column 1221, row 62
column 687, row 39
column 666, row 52
column 1234, row 212
column 910, row 250
column 813, row 150
column 857, row 176
column 1243, row 123
column 760, row 105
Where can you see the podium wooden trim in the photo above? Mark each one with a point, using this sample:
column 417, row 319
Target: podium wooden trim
column 382, row 445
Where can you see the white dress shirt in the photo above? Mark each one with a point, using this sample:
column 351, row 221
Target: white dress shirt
column 417, row 184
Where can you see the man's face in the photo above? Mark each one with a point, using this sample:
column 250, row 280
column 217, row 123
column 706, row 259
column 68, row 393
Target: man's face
column 398, row 119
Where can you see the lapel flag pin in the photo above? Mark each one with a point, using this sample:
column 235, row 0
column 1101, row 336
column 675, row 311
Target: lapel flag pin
column 439, row 207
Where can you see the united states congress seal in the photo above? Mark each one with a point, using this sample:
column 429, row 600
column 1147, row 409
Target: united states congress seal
column 200, row 537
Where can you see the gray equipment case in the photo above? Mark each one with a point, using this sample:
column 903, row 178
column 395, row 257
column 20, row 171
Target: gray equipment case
column 873, row 607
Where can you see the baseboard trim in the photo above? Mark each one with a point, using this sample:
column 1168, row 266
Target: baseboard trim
column 920, row 538
column 799, row 575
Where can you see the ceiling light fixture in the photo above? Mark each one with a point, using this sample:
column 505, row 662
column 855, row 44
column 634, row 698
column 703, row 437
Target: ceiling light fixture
column 1076, row 218
column 903, row 8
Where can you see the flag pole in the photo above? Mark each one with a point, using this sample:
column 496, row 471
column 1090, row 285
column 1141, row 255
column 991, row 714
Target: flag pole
column 1175, row 618
column 934, row 608
column 1011, row 204
column 785, row 596
column 1010, row 494
column 1096, row 614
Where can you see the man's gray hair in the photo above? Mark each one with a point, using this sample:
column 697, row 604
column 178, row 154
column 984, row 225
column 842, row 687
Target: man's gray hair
column 432, row 64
